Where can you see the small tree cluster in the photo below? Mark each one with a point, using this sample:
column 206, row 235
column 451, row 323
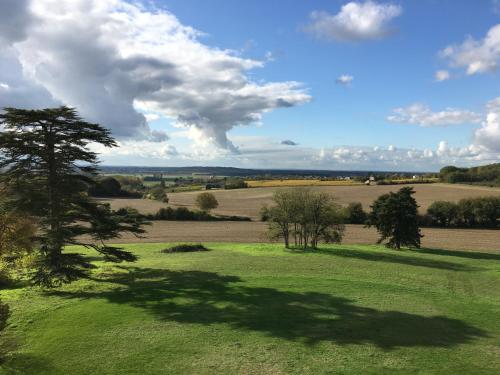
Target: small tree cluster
column 157, row 193
column 304, row 217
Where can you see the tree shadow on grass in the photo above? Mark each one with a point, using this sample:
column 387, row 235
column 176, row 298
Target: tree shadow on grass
column 19, row 363
column 391, row 258
column 458, row 253
column 206, row 298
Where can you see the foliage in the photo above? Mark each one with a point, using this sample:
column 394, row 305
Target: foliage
column 184, row 214
column 131, row 184
column 185, row 248
column 157, row 193
column 395, row 217
column 47, row 171
column 307, row 217
column 354, row 213
column 235, row 183
column 17, row 245
column 111, row 187
column 206, row 201
column 481, row 212
column 486, row 174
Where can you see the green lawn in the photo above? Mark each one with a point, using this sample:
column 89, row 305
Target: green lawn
column 258, row 309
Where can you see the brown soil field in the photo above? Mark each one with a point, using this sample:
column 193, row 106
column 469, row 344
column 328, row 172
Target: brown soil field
column 227, row 231
column 248, row 202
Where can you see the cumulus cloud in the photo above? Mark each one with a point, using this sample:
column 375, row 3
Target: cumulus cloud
column 110, row 58
column 488, row 135
column 356, row 21
column 442, row 75
column 288, row 142
column 476, row 56
column 422, row 115
column 344, row 79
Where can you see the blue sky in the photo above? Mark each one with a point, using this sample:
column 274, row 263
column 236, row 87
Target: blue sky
column 387, row 73
column 387, row 112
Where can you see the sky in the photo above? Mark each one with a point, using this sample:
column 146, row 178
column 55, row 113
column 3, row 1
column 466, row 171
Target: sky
column 311, row 84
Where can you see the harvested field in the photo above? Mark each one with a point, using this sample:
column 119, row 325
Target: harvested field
column 300, row 182
column 248, row 202
column 227, row 231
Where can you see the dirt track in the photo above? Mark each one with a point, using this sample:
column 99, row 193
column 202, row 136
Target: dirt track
column 224, row 231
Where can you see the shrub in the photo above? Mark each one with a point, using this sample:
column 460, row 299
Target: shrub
column 236, row 183
column 157, row 193
column 354, row 213
column 206, row 201
column 443, row 214
column 185, row 248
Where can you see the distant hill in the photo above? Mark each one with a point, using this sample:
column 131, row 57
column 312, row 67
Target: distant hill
column 241, row 172
column 484, row 175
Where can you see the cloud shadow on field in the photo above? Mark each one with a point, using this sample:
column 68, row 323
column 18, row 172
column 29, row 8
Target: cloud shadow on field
column 195, row 297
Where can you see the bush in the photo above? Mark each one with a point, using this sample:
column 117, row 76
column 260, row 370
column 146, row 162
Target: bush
column 443, row 214
column 354, row 213
column 236, row 183
column 206, row 201
column 157, row 193
column 184, row 214
column 185, row 248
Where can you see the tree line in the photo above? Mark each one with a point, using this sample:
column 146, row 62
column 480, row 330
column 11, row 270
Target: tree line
column 483, row 175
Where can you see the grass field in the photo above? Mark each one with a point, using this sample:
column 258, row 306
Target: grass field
column 258, row 309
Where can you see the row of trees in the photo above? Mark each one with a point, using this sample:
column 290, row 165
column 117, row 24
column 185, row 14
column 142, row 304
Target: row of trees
column 483, row 212
column 486, row 174
column 305, row 217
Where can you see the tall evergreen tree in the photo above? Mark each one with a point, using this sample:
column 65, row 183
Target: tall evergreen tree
column 46, row 170
column 395, row 215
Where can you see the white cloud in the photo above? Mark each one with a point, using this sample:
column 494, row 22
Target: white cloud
column 150, row 117
column 488, row 135
column 476, row 56
column 4, row 86
column 110, row 58
column 344, row 79
column 442, row 75
column 422, row 115
column 356, row 21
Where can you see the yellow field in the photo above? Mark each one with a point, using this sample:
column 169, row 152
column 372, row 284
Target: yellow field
column 300, row 182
